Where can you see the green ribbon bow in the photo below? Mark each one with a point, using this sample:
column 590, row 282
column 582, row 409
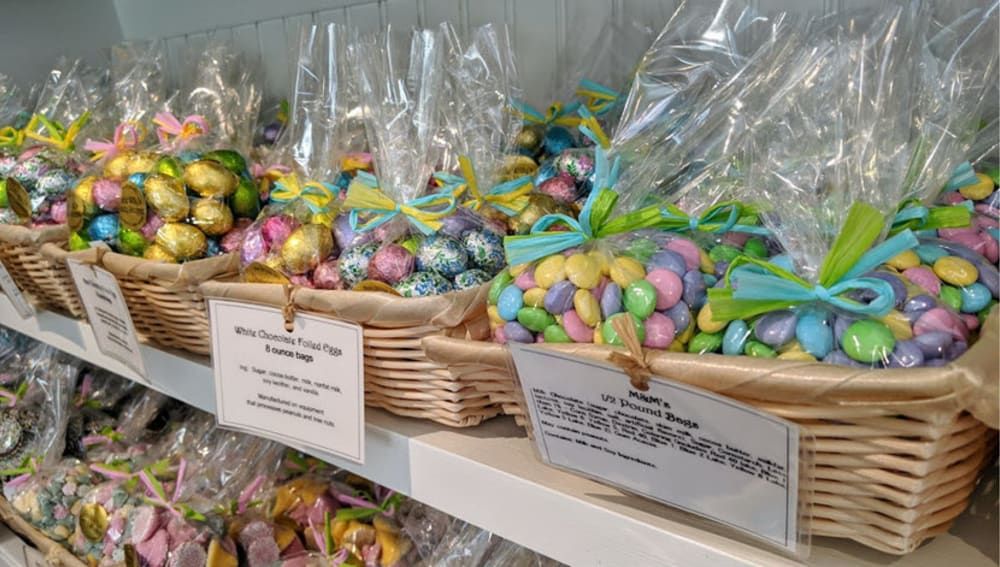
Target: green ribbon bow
column 729, row 216
column 914, row 215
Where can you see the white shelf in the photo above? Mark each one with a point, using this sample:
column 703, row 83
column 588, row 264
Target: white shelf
column 489, row 476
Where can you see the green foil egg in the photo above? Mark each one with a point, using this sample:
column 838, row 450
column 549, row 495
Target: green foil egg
column 132, row 242
column 169, row 166
column 232, row 160
column 245, row 202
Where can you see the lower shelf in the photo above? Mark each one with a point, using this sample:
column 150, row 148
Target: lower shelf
column 489, row 476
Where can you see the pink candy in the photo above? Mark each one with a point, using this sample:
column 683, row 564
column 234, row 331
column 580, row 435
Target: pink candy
column 660, row 330
column 952, row 198
column 925, row 278
column 598, row 290
column 688, row 250
column 58, row 212
column 327, row 276
column 276, row 229
column 970, row 237
column 669, row 287
column 526, row 280
column 107, row 194
column 737, row 239
column 576, row 328
column 940, row 319
column 499, row 336
column 153, row 224
column 970, row 320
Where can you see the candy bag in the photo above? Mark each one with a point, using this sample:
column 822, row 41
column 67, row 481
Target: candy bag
column 292, row 240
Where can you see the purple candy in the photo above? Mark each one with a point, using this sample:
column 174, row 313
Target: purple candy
column 898, row 289
column 253, row 247
column 153, row 224
column 516, row 332
column 989, row 277
column 840, row 358
column 669, row 260
column 720, row 270
column 934, row 344
column 611, row 300
column 956, row 350
column 776, row 328
column 841, row 325
column 694, row 289
column 230, row 242
column 459, row 223
column 920, row 303
column 681, row 316
column 907, row 354
column 345, row 236
column 559, row 297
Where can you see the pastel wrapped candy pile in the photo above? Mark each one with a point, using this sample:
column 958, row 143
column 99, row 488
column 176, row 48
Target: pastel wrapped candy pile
column 978, row 189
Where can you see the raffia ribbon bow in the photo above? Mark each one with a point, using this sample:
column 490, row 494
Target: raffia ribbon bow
column 634, row 361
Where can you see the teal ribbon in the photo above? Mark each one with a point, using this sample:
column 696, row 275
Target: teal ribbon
column 601, row 98
column 422, row 212
column 450, row 183
column 719, row 219
column 312, row 195
column 917, row 216
column 963, row 175
column 557, row 114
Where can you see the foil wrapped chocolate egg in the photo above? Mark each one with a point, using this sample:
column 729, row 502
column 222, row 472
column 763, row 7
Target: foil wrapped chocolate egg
column 471, row 278
column 7, row 163
column 103, row 227
column 539, row 205
column 459, row 223
column 230, row 242
column 106, row 194
column 578, row 163
column 212, row 216
column 78, row 242
column 306, row 247
column 169, row 166
column 138, row 179
column 166, row 197
column 327, row 276
column 152, row 224
column 181, row 241
column 132, row 242
column 529, row 139
column 252, row 246
column 230, row 159
column 390, row 264
column 442, row 254
column 58, row 212
column 27, row 171
column 117, row 166
column 545, row 172
column 212, row 247
column 557, row 140
column 485, row 250
column 423, row 284
column 55, row 182
column 277, row 228
column 346, row 236
column 562, row 188
column 517, row 166
column 141, row 162
column 246, row 200
column 83, row 192
column 158, row 253
column 210, row 178
column 354, row 262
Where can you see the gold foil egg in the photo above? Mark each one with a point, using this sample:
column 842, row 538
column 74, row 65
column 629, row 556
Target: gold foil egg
column 210, row 179
column 166, row 197
column 306, row 247
column 156, row 253
column 117, row 167
column 539, row 205
column 182, row 241
column 213, row 217
column 93, row 521
column 143, row 162
column 84, row 193
column 530, row 138
column 517, row 166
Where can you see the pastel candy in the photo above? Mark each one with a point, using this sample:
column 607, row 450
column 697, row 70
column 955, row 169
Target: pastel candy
column 576, row 328
column 957, row 349
column 938, row 319
column 586, row 307
column 688, row 250
column 517, row 333
column 907, row 354
column 899, row 323
column 989, row 276
column 952, row 198
column 498, row 284
column 610, row 335
column 775, row 328
column 668, row 260
column 971, row 321
column 640, row 298
column 723, row 253
column 550, row 271
column 535, row 297
column 868, row 341
column 703, row 343
column 951, row 297
column 991, row 250
column 556, row 334
column 559, row 298
column 956, row 271
column 838, row 357
column 925, row 278
column 511, row 301
column 659, row 331
column 737, row 239
column 970, row 238
column 602, row 260
column 975, row 297
column 535, row 318
column 814, row 334
column 583, row 271
column 707, row 323
column 705, row 262
column 598, row 290
column 735, row 338
column 526, row 280
column 933, row 344
column 494, row 315
column 611, row 300
column 797, row 355
column 898, row 288
column 840, row 325
column 757, row 349
column 978, row 190
column 625, row 270
column 680, row 315
column 694, row 289
column 669, row 287
column 929, row 253
column 919, row 303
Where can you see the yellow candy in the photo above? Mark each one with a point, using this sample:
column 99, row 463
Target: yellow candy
column 676, row 346
column 956, row 271
column 705, row 263
column 141, row 163
column 534, row 297
column 705, row 322
column 685, row 337
column 587, row 307
column 978, row 190
column 518, row 269
column 550, row 271
column 626, row 270
column 790, row 346
column 494, row 314
column 603, row 261
column 210, row 179
column 306, row 247
column 797, row 355
column 899, row 325
column 904, row 260
column 598, row 336
column 167, row 198
column 583, row 271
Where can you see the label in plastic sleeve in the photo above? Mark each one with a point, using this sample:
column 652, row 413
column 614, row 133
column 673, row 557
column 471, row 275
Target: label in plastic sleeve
column 132, row 209
column 680, row 445
column 13, row 293
column 303, row 387
column 108, row 315
column 17, row 199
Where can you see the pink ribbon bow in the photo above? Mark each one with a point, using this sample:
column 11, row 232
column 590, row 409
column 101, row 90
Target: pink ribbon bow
column 127, row 136
column 174, row 134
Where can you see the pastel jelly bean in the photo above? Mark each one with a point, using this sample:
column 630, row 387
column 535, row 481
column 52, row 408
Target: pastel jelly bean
column 920, row 303
column 611, row 300
column 924, row 277
column 904, row 260
column 758, row 349
column 610, row 335
column 688, row 250
column 868, row 341
column 517, row 333
column 550, row 271
column 838, row 357
column 586, row 307
column 951, row 297
column 704, row 342
column 814, row 333
column 899, row 324
column 907, row 354
column 583, row 271
column 680, row 315
column 535, row 297
column 640, row 298
column 576, row 328
column 669, row 287
column 933, row 344
column 625, row 270
column 956, row 271
column 534, row 318
column 500, row 282
column 723, row 253
column 511, row 301
column 989, row 276
column 659, row 331
column 598, row 290
column 938, row 319
column 737, row 239
column 974, row 298
column 775, row 328
column 706, row 322
column 694, row 289
column 840, row 325
column 970, row 320
column 494, row 315
column 500, row 335
column 559, row 297
column 602, row 260
column 705, row 262
column 668, row 260
column 556, row 334
column 526, row 280
column 735, row 338
column 797, row 355
column 978, row 190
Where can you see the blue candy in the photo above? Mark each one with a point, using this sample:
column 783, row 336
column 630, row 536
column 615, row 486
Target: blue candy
column 929, row 253
column 814, row 333
column 735, row 338
column 975, row 297
column 103, row 227
column 137, row 179
column 510, row 302
column 556, row 140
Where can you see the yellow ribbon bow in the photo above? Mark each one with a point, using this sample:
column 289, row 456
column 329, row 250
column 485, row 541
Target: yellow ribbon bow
column 592, row 128
column 510, row 197
column 11, row 137
column 320, row 198
column 556, row 114
column 363, row 196
column 57, row 136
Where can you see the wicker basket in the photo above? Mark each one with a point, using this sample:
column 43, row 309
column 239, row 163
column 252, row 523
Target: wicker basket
column 42, row 275
column 398, row 375
column 164, row 300
column 897, row 452
column 54, row 553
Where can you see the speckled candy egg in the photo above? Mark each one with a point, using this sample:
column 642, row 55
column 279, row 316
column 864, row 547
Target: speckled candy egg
column 442, row 254
column 471, row 278
column 578, row 163
column 485, row 250
column 422, row 284
column 562, row 188
column 27, row 171
column 7, row 163
column 390, row 264
column 55, row 182
column 354, row 262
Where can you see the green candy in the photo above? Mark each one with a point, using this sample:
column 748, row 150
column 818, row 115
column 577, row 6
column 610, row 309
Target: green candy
column 3, row 193
column 951, row 297
column 868, row 341
column 78, row 242
column 245, row 202
column 758, row 349
column 556, row 334
column 535, row 318
column 704, row 342
column 231, row 160
column 642, row 249
column 640, row 299
column 723, row 253
column 132, row 242
column 755, row 248
column 169, row 166
column 500, row 282
column 610, row 335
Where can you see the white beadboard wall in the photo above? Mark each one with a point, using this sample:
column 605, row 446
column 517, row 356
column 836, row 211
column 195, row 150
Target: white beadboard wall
column 541, row 29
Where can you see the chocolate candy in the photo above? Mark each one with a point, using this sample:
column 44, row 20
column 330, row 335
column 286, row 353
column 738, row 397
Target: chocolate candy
column 443, row 255
column 422, row 284
column 485, row 250
column 390, row 264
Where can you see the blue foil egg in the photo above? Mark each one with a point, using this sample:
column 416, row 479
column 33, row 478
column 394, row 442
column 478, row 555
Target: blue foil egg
column 557, row 139
column 471, row 278
column 188, row 156
column 353, row 263
column 423, row 284
column 485, row 250
column 55, row 182
column 212, row 247
column 103, row 227
column 137, row 179
column 442, row 254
